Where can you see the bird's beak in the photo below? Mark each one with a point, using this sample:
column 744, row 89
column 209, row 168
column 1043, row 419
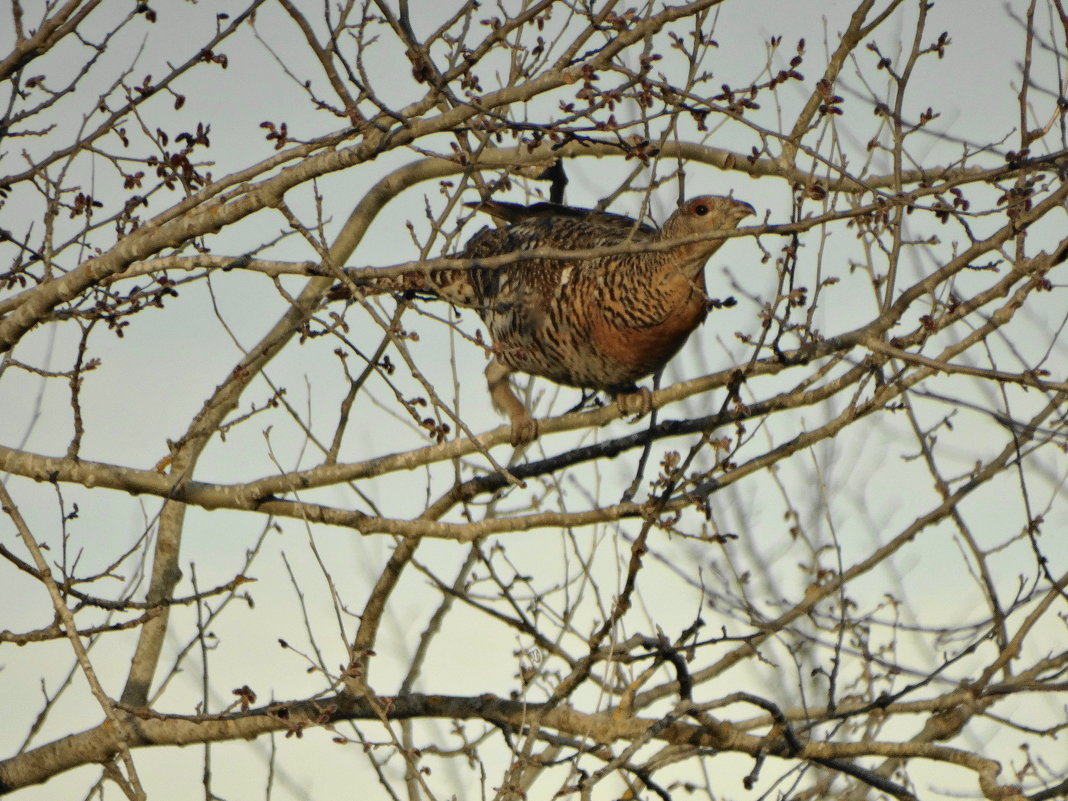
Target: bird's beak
column 742, row 210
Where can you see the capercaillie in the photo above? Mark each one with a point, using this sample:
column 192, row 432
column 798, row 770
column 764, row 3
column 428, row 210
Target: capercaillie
column 598, row 322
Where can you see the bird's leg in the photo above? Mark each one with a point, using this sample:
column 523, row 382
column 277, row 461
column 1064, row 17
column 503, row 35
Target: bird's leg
column 524, row 427
column 588, row 396
column 638, row 402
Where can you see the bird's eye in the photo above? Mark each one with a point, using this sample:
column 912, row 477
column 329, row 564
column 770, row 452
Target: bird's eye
column 701, row 209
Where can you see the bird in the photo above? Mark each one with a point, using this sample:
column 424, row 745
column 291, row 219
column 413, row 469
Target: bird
column 598, row 322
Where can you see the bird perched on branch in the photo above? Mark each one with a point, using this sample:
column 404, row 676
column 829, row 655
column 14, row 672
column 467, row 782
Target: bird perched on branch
column 597, row 322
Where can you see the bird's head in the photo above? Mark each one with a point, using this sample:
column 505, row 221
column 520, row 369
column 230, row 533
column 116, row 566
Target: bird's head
column 702, row 215
column 705, row 213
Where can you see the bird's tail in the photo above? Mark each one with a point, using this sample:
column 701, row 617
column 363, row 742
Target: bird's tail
column 413, row 282
column 453, row 286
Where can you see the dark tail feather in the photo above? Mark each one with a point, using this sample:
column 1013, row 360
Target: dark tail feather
column 411, row 283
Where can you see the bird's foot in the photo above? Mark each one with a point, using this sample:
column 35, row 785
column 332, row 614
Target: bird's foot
column 524, row 427
column 638, row 403
column 524, row 430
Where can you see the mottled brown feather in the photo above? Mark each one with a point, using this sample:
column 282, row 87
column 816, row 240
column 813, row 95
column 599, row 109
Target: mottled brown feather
column 599, row 323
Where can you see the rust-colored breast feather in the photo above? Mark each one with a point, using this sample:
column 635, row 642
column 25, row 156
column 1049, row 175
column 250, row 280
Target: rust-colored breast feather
column 641, row 350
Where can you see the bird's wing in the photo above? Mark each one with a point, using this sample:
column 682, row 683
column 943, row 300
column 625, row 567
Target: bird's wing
column 516, row 213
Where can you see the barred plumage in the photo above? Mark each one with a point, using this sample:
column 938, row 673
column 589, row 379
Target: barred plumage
column 599, row 323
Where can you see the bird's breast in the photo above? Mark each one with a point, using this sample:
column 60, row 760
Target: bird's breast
column 599, row 329
column 644, row 347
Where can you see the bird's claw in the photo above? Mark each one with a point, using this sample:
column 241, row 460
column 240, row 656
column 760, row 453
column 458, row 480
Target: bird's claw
column 524, row 430
column 638, row 403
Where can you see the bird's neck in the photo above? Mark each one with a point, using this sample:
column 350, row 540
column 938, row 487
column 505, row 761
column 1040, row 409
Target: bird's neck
column 687, row 260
